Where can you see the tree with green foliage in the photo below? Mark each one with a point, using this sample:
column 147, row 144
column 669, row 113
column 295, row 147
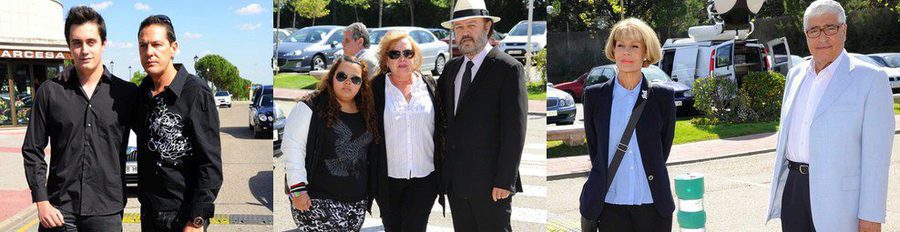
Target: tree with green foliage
column 137, row 77
column 311, row 9
column 356, row 4
column 223, row 75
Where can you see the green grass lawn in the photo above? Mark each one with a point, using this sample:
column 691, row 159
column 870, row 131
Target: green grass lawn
column 295, row 81
column 896, row 108
column 537, row 95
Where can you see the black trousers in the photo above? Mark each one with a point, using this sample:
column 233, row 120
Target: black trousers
column 643, row 218
column 796, row 214
column 165, row 220
column 75, row 223
column 409, row 204
column 480, row 215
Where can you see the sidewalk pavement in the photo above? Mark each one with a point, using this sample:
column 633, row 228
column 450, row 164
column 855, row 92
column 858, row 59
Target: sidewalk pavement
column 536, row 107
column 577, row 166
column 15, row 198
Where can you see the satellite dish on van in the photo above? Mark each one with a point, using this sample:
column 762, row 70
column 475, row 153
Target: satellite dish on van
column 734, row 14
column 717, row 32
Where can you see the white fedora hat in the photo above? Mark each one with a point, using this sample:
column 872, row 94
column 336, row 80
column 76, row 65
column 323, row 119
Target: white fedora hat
column 467, row 9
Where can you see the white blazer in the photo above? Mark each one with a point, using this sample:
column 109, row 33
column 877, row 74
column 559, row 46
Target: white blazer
column 851, row 136
column 296, row 130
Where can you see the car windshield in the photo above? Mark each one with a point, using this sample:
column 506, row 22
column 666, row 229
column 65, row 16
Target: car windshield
column 868, row 60
column 522, row 29
column 309, row 35
column 267, row 100
column 892, row 60
column 221, row 94
column 375, row 36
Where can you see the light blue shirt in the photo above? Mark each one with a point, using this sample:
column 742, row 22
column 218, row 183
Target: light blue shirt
column 630, row 186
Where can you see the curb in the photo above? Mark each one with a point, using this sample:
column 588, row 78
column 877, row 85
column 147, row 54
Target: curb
column 282, row 98
column 20, row 221
column 690, row 161
column 218, row 219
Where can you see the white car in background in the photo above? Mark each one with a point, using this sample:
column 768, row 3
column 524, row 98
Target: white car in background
column 516, row 41
column 223, row 98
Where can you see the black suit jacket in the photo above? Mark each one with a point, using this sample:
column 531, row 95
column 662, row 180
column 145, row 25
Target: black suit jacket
column 485, row 137
column 654, row 130
column 378, row 85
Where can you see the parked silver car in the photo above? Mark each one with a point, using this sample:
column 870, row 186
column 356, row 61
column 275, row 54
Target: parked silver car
column 310, row 48
column 435, row 52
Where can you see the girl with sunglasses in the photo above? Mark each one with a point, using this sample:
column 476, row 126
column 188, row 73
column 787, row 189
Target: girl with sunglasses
column 327, row 146
column 407, row 110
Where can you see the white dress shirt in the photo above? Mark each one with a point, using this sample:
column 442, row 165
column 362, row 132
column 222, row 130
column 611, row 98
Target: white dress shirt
column 804, row 107
column 477, row 60
column 409, row 130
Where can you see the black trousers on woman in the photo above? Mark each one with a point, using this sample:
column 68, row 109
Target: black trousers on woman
column 409, row 205
column 643, row 218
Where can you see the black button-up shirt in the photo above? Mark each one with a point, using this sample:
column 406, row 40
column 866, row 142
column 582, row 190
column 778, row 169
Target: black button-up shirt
column 179, row 150
column 87, row 137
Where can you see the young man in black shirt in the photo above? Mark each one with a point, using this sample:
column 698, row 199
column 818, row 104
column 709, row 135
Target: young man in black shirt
column 180, row 159
column 85, row 116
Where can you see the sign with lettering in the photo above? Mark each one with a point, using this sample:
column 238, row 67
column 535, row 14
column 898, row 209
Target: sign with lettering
column 30, row 54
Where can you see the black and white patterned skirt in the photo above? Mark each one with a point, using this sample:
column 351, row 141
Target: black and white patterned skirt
column 331, row 215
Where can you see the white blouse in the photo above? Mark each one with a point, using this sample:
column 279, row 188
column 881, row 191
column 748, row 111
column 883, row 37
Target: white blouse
column 408, row 130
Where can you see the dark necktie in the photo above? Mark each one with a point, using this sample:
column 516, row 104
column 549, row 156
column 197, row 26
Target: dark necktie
column 467, row 79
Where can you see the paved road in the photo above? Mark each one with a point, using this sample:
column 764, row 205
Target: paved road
column 529, row 208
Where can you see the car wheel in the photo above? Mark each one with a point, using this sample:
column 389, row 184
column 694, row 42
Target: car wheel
column 439, row 65
column 318, row 63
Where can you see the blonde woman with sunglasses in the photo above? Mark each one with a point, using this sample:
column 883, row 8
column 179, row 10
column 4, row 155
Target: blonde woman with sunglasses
column 407, row 110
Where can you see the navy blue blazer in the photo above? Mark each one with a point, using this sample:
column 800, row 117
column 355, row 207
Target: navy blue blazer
column 655, row 131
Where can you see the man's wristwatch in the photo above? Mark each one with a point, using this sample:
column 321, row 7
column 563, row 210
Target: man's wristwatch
column 197, row 222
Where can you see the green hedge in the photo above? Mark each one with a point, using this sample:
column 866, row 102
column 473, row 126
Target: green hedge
column 721, row 101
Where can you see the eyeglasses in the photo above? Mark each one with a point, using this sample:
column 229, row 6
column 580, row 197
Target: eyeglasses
column 341, row 77
column 830, row 29
column 396, row 54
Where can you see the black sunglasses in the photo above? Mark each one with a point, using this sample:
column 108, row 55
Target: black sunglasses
column 341, row 77
column 396, row 54
column 164, row 18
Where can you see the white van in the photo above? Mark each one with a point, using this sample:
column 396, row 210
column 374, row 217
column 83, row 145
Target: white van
column 687, row 59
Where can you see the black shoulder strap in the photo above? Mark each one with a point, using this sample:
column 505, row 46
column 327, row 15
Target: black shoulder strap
column 626, row 138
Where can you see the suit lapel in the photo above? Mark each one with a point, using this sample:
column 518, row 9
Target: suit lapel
column 839, row 82
column 480, row 77
column 793, row 88
column 451, row 82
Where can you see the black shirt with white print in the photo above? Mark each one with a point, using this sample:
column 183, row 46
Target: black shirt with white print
column 179, row 161
column 343, row 167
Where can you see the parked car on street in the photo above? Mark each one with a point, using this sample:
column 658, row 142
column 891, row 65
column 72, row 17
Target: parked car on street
column 684, row 96
column 561, row 109
column 280, row 34
column 131, row 167
column 688, row 59
column 434, row 52
column 439, row 33
column 310, row 48
column 262, row 115
column 494, row 41
column 889, row 59
column 279, row 130
column 223, row 98
column 892, row 73
column 516, row 41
